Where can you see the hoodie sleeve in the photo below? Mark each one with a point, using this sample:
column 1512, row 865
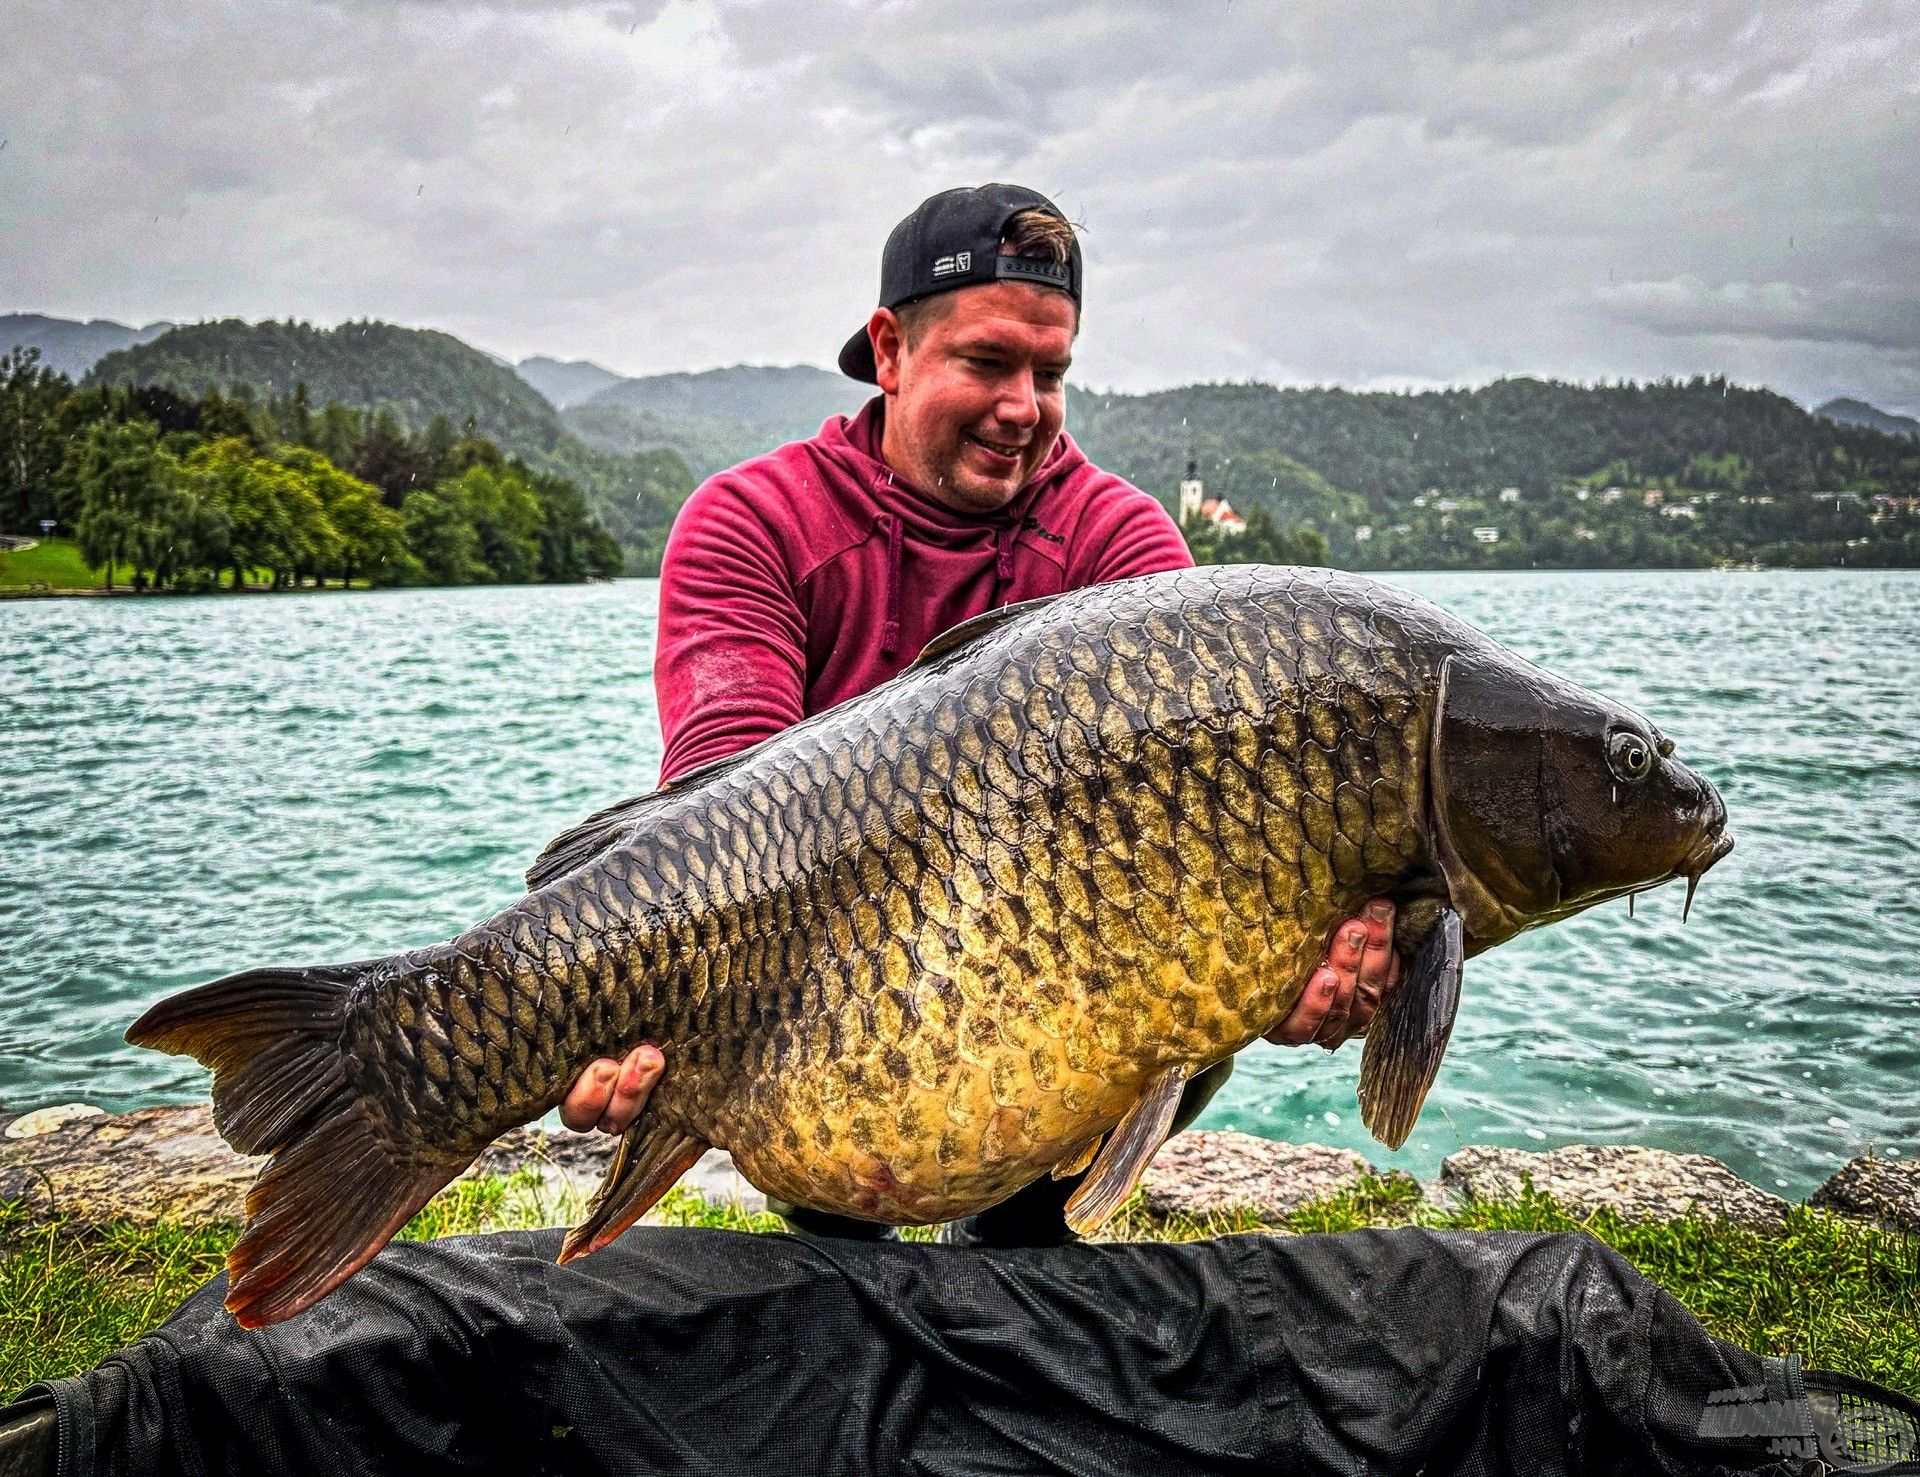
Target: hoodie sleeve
column 730, row 664
column 1124, row 533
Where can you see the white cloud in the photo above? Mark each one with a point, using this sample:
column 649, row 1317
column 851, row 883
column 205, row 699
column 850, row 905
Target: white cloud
column 1360, row 193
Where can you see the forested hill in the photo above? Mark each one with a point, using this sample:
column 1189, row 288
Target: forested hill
column 1524, row 433
column 417, row 373
column 717, row 417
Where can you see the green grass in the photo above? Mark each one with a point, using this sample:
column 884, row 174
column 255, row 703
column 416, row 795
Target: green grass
column 55, row 563
column 1843, row 1296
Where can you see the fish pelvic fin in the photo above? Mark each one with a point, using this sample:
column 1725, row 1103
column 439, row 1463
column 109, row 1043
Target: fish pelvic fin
column 1077, row 1162
column 337, row 1188
column 1408, row 1036
column 1129, row 1148
column 650, row 1160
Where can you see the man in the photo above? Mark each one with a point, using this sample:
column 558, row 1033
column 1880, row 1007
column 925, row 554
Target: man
column 807, row 576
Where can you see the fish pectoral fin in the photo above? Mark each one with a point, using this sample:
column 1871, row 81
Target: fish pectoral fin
column 1079, row 1160
column 651, row 1158
column 1130, row 1147
column 1408, row 1034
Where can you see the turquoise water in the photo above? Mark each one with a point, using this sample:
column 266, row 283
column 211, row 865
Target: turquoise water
column 188, row 787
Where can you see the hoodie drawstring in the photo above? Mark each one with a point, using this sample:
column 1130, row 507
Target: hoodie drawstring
column 1003, row 557
column 890, row 632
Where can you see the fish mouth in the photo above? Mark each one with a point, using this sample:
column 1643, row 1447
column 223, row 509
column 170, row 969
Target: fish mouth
column 1711, row 847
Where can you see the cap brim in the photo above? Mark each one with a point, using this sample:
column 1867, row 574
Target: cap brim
column 856, row 359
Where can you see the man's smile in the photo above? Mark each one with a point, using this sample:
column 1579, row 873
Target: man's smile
column 1009, row 451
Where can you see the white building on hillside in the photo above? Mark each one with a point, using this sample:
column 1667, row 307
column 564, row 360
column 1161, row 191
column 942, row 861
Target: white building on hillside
column 1194, row 503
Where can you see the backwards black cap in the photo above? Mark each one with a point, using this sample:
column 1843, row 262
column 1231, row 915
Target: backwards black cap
column 953, row 240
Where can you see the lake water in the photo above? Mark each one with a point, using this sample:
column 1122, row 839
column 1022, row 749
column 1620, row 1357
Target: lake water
column 189, row 787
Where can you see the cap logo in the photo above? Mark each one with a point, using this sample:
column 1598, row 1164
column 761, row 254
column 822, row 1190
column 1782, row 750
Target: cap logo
column 1054, row 274
column 952, row 266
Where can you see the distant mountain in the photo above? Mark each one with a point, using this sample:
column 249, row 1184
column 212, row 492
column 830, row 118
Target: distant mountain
column 718, row 416
column 566, row 381
column 417, row 373
column 68, row 345
column 1859, row 413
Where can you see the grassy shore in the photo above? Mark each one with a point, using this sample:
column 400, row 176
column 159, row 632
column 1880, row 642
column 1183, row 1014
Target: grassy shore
column 1844, row 1296
column 54, row 564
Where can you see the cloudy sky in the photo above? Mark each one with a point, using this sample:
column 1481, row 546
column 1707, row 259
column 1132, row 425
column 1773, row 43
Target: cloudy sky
column 1373, row 195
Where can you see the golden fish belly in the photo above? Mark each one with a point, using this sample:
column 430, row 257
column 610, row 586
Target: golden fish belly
column 968, row 1104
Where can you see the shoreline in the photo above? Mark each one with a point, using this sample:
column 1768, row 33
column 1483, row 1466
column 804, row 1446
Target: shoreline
column 118, row 592
column 168, row 1164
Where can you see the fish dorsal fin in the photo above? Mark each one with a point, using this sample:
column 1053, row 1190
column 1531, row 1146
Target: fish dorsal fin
column 1408, row 1035
column 582, row 843
column 1135, row 1139
column 973, row 628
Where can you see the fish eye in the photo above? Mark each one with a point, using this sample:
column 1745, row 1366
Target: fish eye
column 1629, row 756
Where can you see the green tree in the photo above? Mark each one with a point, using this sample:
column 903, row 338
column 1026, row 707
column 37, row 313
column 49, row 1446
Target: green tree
column 441, row 537
column 370, row 538
column 31, row 445
column 125, row 498
column 501, row 507
column 275, row 517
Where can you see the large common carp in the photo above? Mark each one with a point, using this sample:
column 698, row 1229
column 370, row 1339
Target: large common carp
column 970, row 927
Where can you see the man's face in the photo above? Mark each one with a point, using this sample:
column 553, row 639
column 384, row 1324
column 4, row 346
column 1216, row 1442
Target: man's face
column 974, row 407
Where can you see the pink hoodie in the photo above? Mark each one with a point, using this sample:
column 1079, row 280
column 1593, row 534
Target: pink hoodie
column 811, row 574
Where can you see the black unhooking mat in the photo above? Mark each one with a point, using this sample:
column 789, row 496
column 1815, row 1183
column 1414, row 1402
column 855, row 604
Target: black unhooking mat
column 709, row 1351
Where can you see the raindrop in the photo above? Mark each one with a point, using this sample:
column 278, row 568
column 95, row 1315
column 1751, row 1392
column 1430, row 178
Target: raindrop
column 1332, row 1120
column 1536, row 1135
column 1781, row 1183
column 1891, row 1152
column 1837, row 1122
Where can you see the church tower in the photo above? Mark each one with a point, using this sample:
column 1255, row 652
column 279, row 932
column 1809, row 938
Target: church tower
column 1192, row 492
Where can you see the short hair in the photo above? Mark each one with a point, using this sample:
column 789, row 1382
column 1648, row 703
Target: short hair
column 1039, row 235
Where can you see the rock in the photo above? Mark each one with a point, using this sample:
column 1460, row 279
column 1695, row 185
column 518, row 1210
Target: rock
column 1208, row 1172
column 156, row 1164
column 170, row 1164
column 1886, row 1191
column 46, row 1120
column 1635, row 1183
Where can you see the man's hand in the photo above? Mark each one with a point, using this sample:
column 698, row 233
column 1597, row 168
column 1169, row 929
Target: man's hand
column 1347, row 988
column 609, row 1095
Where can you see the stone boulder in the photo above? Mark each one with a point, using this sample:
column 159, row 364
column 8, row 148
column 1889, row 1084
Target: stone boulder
column 1635, row 1183
column 154, row 1164
column 1209, row 1172
column 169, row 1164
column 1886, row 1191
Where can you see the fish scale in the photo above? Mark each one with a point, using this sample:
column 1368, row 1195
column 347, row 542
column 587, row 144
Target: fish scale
column 919, row 950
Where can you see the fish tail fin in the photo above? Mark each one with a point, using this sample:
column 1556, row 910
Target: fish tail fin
column 273, row 1038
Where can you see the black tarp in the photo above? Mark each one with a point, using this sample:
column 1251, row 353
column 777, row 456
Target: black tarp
column 1395, row 1351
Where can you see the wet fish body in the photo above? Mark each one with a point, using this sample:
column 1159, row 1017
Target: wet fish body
column 926, row 947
